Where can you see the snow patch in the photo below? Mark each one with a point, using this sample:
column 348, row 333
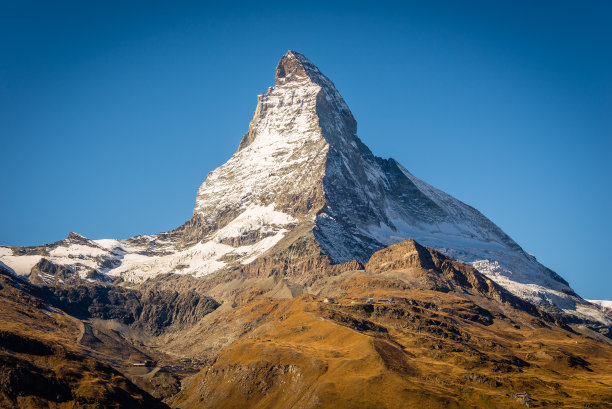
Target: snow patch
column 262, row 218
column 76, row 249
column 606, row 304
column 22, row 265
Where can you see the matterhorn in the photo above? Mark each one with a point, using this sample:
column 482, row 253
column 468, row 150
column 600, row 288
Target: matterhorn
column 303, row 185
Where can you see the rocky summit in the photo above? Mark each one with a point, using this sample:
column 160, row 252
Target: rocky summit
column 311, row 266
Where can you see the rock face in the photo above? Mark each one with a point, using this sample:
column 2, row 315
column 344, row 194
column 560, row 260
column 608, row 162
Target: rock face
column 152, row 310
column 301, row 174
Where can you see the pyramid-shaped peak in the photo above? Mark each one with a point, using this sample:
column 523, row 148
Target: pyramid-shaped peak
column 298, row 56
column 294, row 66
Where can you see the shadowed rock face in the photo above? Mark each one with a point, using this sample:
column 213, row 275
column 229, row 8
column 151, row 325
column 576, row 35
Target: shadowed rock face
column 155, row 311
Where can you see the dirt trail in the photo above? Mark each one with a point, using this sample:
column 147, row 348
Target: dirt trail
column 81, row 332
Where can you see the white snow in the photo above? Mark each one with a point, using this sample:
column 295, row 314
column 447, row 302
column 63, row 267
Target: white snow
column 261, row 247
column 592, row 312
column 4, row 266
column 204, row 258
column 136, row 262
column 199, row 260
column 110, row 244
column 260, row 218
column 20, row 264
column 606, row 304
column 73, row 250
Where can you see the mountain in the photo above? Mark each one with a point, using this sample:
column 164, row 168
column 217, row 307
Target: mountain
column 312, row 274
column 302, row 182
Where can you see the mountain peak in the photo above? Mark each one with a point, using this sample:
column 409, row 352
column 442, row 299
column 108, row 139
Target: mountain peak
column 302, row 105
column 294, row 66
column 77, row 238
column 295, row 69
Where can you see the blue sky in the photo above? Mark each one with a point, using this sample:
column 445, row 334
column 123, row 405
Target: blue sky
column 112, row 113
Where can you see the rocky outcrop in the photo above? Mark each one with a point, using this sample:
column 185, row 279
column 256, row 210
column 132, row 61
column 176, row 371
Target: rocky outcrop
column 171, row 309
column 47, row 272
column 430, row 269
column 433, row 269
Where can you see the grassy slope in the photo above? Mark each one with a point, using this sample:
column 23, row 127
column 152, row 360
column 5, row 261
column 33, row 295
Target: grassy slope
column 415, row 352
column 42, row 365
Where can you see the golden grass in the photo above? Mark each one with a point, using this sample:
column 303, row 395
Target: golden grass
column 299, row 357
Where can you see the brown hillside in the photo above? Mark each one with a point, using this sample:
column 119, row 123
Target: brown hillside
column 435, row 334
column 42, row 364
column 413, row 328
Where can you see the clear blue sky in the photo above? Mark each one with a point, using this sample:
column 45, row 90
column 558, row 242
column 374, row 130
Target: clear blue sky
column 112, row 113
